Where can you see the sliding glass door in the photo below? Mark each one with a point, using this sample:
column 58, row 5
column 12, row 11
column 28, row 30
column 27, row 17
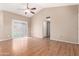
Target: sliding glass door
column 19, row 29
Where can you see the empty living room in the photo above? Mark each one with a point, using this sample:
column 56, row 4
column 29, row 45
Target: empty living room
column 39, row 29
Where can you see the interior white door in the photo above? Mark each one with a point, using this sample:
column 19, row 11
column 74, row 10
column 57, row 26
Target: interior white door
column 19, row 29
column 44, row 28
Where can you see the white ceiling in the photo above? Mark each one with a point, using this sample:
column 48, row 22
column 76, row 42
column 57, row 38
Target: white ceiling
column 14, row 7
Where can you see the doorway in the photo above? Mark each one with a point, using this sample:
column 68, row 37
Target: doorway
column 46, row 28
column 19, row 29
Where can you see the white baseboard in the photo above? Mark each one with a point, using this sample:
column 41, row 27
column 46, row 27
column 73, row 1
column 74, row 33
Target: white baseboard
column 37, row 36
column 66, row 41
column 58, row 40
column 42, row 37
column 4, row 39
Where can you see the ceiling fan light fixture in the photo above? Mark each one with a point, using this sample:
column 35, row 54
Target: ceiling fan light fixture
column 28, row 11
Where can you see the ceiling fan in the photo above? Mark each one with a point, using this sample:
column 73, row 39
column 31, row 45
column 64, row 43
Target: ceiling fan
column 29, row 10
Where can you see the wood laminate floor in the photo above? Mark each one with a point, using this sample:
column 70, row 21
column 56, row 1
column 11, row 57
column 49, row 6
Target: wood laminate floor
column 37, row 47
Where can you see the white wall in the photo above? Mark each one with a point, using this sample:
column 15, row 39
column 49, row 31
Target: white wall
column 6, row 24
column 64, row 23
column 1, row 26
column 78, row 24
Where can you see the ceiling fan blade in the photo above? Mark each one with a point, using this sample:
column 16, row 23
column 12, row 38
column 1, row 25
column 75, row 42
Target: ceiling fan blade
column 33, row 8
column 32, row 12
